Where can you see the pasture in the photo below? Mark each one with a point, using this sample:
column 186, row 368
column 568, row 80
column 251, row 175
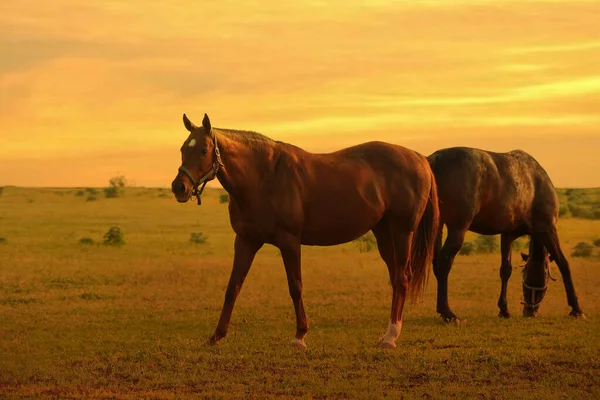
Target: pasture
column 132, row 321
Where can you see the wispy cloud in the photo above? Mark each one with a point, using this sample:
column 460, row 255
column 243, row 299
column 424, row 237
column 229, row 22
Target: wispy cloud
column 107, row 76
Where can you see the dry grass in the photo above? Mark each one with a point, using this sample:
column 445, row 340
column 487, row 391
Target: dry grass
column 132, row 321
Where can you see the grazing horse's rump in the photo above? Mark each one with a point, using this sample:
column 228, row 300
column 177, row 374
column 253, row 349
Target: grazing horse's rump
column 497, row 193
column 285, row 196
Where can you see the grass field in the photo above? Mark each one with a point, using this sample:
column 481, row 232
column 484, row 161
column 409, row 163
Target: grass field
column 132, row 321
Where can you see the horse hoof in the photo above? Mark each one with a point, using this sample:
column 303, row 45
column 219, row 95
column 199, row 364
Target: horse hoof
column 387, row 345
column 577, row 314
column 450, row 318
column 299, row 343
column 214, row 340
column 504, row 314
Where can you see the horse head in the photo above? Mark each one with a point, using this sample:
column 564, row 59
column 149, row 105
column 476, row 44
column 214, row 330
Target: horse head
column 536, row 273
column 200, row 160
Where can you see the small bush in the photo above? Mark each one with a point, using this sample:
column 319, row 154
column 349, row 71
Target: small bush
column 224, row 198
column 467, row 249
column 486, row 244
column 366, row 243
column 112, row 192
column 3, row 240
column 597, row 242
column 582, row 249
column 114, row 237
column 1, row 190
column 582, row 212
column 520, row 244
column 92, row 191
column 80, row 193
column 562, row 211
column 198, row 238
column 86, row 241
column 91, row 198
column 90, row 296
column 164, row 195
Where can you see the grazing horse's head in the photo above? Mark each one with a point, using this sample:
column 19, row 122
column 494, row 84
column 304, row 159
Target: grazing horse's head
column 200, row 161
column 536, row 274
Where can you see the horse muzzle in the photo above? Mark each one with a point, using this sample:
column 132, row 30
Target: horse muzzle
column 180, row 190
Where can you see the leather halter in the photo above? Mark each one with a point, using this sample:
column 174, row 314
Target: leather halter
column 217, row 163
column 533, row 289
column 532, row 304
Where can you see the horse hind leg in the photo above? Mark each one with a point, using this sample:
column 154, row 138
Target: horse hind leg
column 394, row 248
column 444, row 262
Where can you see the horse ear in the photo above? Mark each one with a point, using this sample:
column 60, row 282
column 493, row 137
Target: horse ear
column 551, row 258
column 189, row 125
column 525, row 257
column 206, row 123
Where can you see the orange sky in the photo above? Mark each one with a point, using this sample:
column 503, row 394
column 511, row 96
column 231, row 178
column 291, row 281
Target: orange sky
column 89, row 90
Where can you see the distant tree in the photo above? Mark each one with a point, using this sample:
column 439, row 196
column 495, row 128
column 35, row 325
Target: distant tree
column 115, row 188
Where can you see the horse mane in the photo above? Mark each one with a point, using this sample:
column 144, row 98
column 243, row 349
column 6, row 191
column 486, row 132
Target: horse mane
column 252, row 139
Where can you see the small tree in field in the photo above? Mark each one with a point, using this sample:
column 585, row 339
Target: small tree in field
column 116, row 185
column 114, row 237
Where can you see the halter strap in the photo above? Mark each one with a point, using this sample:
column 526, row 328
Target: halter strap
column 533, row 289
column 217, row 163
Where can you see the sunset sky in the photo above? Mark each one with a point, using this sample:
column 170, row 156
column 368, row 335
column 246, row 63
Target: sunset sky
column 92, row 89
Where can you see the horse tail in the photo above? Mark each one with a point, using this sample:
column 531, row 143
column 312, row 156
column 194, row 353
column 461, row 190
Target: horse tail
column 424, row 243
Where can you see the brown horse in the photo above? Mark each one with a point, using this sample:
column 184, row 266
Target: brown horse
column 498, row 193
column 287, row 197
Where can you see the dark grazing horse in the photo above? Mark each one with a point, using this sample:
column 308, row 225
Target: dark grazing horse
column 287, row 197
column 498, row 193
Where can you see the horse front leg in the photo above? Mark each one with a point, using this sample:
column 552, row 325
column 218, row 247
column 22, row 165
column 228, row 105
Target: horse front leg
column 291, row 254
column 242, row 260
column 550, row 239
column 505, row 272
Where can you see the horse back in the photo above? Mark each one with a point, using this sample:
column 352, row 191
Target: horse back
column 491, row 192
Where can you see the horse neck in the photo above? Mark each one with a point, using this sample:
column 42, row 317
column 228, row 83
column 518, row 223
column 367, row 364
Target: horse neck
column 244, row 165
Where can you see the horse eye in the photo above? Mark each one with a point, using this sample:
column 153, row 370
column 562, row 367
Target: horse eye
column 204, row 151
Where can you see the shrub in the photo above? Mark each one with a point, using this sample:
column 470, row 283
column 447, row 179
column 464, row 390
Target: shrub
column 1, row 190
column 486, row 244
column 582, row 249
column 520, row 244
column 86, row 241
column 92, row 191
column 115, row 188
column 581, row 212
column 597, row 242
column 224, row 198
column 562, row 211
column 467, row 249
column 164, row 195
column 91, row 198
column 111, row 192
column 198, row 238
column 114, row 237
column 80, row 193
column 3, row 240
column 366, row 243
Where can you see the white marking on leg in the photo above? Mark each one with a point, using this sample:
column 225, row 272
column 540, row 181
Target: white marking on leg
column 299, row 343
column 392, row 334
column 192, row 143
